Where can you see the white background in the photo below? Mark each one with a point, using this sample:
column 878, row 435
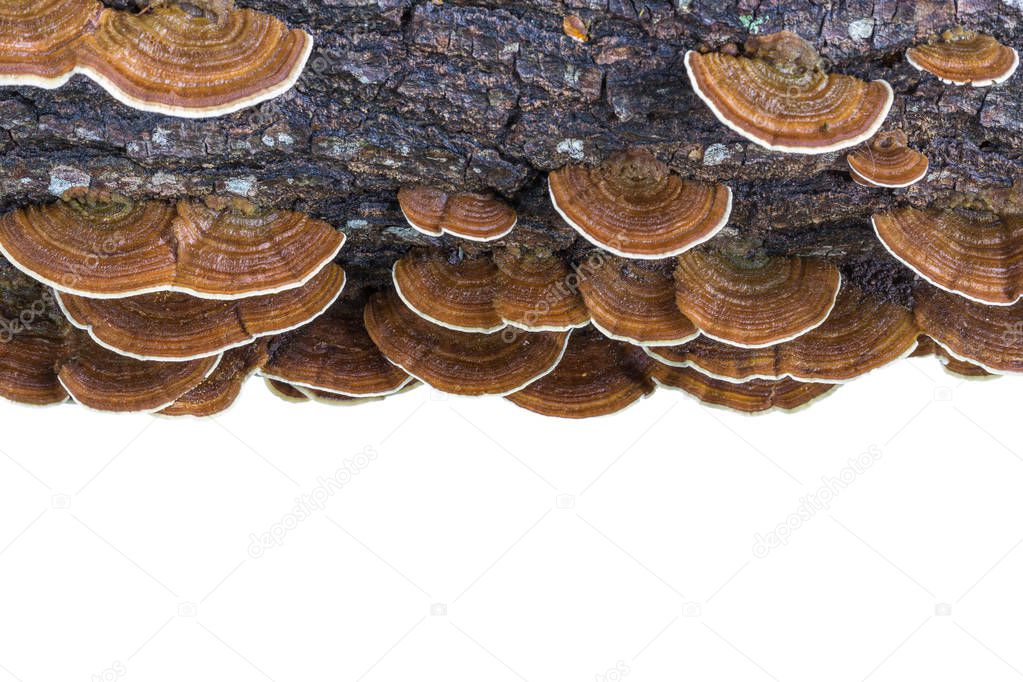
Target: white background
column 484, row 543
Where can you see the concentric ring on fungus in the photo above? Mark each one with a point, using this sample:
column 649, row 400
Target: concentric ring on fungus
column 170, row 61
column 780, row 97
column 467, row 215
column 27, row 365
column 598, row 376
column 535, row 292
column 887, row 161
column 952, row 365
column 758, row 301
column 102, row 246
column 964, row 57
column 449, row 289
column 990, row 337
column 39, row 40
column 177, row 327
column 861, row 334
column 633, row 206
column 459, row 362
column 755, row 396
column 634, row 301
column 981, row 260
column 221, row 388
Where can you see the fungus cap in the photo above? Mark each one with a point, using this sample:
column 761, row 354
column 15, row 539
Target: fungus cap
column 758, row 301
column 449, row 290
column 39, row 39
column 781, row 98
column 634, row 206
column 221, row 388
column 27, row 362
column 169, row 61
column 535, row 292
column 476, row 217
column 285, row 391
column 634, row 301
column 981, row 260
column 887, row 161
column 964, row 57
column 173, row 326
column 459, row 362
column 598, row 376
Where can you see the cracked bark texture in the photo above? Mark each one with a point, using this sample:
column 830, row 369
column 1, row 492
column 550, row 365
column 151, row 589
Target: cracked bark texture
column 493, row 95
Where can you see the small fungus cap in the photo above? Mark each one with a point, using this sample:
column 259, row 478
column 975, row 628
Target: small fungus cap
column 221, row 388
column 978, row 258
column 27, row 365
column 964, row 57
column 758, row 301
column 781, row 98
column 476, row 217
column 634, row 206
column 449, row 289
column 887, row 161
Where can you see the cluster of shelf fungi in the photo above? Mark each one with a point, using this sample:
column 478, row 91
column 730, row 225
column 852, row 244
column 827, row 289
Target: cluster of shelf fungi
column 172, row 306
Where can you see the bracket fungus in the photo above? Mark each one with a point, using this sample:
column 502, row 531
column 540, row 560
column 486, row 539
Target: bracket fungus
column 110, row 247
column 173, row 326
column 753, row 397
column 334, row 354
column 964, row 57
column 535, row 292
column 780, row 96
column 633, row 206
column 952, row 365
column 467, row 215
column 171, row 61
column 887, row 161
column 39, row 39
column 598, row 376
column 27, row 366
column 285, row 391
column 634, row 301
column 460, row 362
column 755, row 301
column 106, row 381
column 221, row 388
column 449, row 289
column 861, row 334
column 990, row 337
column 979, row 259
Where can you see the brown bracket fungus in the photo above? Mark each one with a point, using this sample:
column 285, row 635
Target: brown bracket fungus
column 887, row 161
column 106, row 381
column 459, row 362
column 173, row 326
column 285, row 391
column 633, row 206
column 964, row 57
column 634, row 301
column 449, row 289
column 598, row 376
column 753, row 397
column 476, row 217
column 334, row 354
column 755, row 301
column 221, row 388
column 39, row 39
column 27, row 362
column 981, row 260
column 780, row 96
column 990, row 337
column 110, row 247
column 537, row 292
column 171, row 61
column 952, row 365
column 860, row 335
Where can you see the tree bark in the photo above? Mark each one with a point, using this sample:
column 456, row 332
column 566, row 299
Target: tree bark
column 493, row 95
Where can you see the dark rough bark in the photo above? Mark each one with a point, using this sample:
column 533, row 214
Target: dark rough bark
column 492, row 95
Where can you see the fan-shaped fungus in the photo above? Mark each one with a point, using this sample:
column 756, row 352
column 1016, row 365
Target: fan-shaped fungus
column 172, row 326
column 780, row 97
column 535, row 292
column 39, row 39
column 598, row 376
column 964, row 57
column 285, row 391
column 634, row 301
column 981, row 260
column 27, row 362
column 450, row 290
column 476, row 217
column 221, row 388
column 460, row 362
column 755, row 301
column 173, row 62
column 634, row 206
column 887, row 161
column 756, row 396
column 861, row 334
